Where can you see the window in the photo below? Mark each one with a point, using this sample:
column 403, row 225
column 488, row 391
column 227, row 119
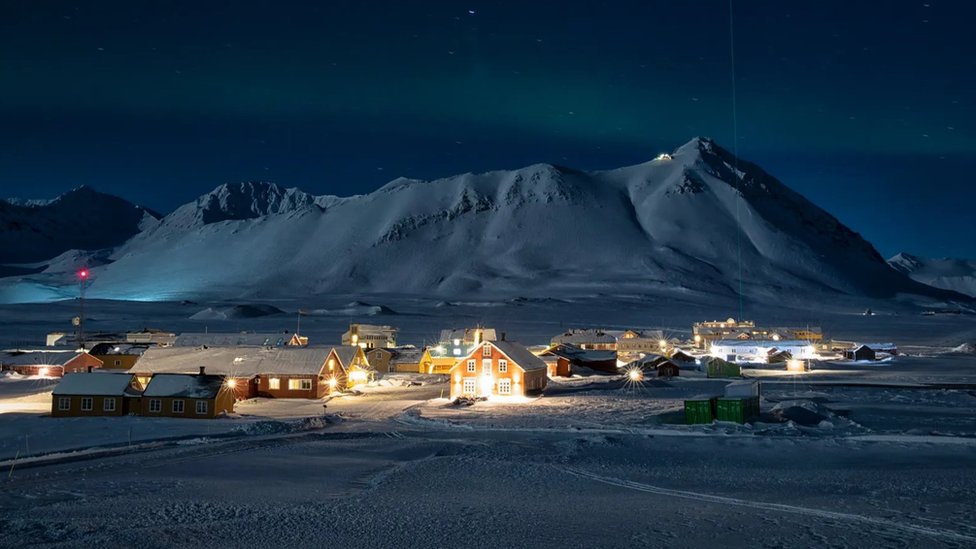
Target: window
column 178, row 406
column 471, row 366
column 457, row 352
column 64, row 404
column 155, row 405
column 470, row 386
column 504, row 386
column 274, row 384
column 118, row 362
column 502, row 366
column 201, row 406
column 86, row 404
column 108, row 404
column 486, row 365
column 299, row 384
column 486, row 349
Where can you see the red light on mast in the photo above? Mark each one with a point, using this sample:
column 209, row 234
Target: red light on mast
column 83, row 274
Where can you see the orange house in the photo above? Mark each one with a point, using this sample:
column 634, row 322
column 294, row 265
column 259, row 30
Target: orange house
column 49, row 363
column 498, row 368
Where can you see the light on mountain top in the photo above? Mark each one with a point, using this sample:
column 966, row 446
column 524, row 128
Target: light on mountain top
column 663, row 156
column 83, row 274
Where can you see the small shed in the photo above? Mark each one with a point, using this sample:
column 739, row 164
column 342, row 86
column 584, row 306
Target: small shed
column 95, row 394
column 716, row 367
column 861, row 352
column 667, row 369
column 679, row 356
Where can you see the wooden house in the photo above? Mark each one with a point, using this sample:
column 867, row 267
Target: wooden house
column 557, row 366
column 197, row 396
column 48, row 363
column 498, row 368
column 275, row 372
column 118, row 356
column 667, row 369
column 681, row 356
column 861, row 352
column 599, row 360
column 96, row 394
column 586, row 339
column 400, row 360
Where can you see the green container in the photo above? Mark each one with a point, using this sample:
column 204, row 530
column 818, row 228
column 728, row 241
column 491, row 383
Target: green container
column 738, row 410
column 698, row 411
column 723, row 369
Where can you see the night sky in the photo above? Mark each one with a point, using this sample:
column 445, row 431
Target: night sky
column 865, row 107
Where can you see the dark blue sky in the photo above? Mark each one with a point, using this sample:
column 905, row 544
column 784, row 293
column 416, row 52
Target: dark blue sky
column 867, row 108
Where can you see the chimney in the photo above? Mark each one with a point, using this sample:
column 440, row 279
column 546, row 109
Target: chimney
column 503, row 336
column 203, row 370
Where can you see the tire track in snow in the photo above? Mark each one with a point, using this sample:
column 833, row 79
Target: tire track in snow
column 783, row 508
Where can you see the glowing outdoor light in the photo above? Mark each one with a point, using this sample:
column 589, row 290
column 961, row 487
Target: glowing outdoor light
column 43, row 371
column 795, row 365
column 635, row 374
column 662, row 344
column 775, row 337
column 232, row 383
column 333, row 382
column 83, row 274
column 697, row 338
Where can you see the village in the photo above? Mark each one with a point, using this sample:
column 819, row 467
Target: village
column 157, row 373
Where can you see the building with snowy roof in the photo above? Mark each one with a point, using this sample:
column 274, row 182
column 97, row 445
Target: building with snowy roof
column 587, row 339
column 597, row 360
column 759, row 351
column 400, row 359
column 370, row 336
column 48, row 363
column 235, row 339
column 196, row 396
column 498, row 368
column 96, row 394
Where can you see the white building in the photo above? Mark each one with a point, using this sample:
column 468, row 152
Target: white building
column 370, row 336
column 759, row 350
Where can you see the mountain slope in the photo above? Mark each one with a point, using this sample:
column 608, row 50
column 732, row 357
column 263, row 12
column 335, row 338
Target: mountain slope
column 958, row 275
column 685, row 226
column 38, row 230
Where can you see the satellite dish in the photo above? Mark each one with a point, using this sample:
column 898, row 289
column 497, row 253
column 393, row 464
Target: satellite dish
column 76, row 321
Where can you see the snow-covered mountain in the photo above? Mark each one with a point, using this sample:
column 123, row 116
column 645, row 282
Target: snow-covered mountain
column 958, row 275
column 690, row 225
column 83, row 218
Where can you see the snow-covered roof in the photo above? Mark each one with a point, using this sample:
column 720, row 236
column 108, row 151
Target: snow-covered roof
column 250, row 339
column 38, row 358
column 346, row 354
column 235, row 361
column 520, row 355
column 582, row 355
column 577, row 337
column 768, row 343
column 95, row 384
column 184, row 385
column 467, row 334
column 118, row 349
column 879, row 346
column 406, row 356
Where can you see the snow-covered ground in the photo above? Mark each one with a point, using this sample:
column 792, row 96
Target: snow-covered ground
column 849, row 454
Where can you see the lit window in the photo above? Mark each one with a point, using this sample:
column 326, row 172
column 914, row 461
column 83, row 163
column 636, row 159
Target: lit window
column 486, row 349
column 486, row 365
column 64, row 404
column 178, row 406
column 108, row 405
column 274, row 384
column 504, row 386
column 86, row 404
column 470, row 386
column 471, row 366
column 299, row 384
column 118, row 362
column 457, row 352
column 155, row 405
column 457, row 342
column 201, row 406
column 502, row 366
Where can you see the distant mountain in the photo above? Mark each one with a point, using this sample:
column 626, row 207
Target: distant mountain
column 958, row 275
column 688, row 225
column 82, row 219
column 248, row 200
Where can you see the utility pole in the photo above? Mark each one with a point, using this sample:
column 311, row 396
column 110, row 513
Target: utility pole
column 82, row 277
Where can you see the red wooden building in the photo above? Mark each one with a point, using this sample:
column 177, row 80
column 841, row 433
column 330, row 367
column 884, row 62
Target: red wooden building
column 498, row 368
column 48, row 363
